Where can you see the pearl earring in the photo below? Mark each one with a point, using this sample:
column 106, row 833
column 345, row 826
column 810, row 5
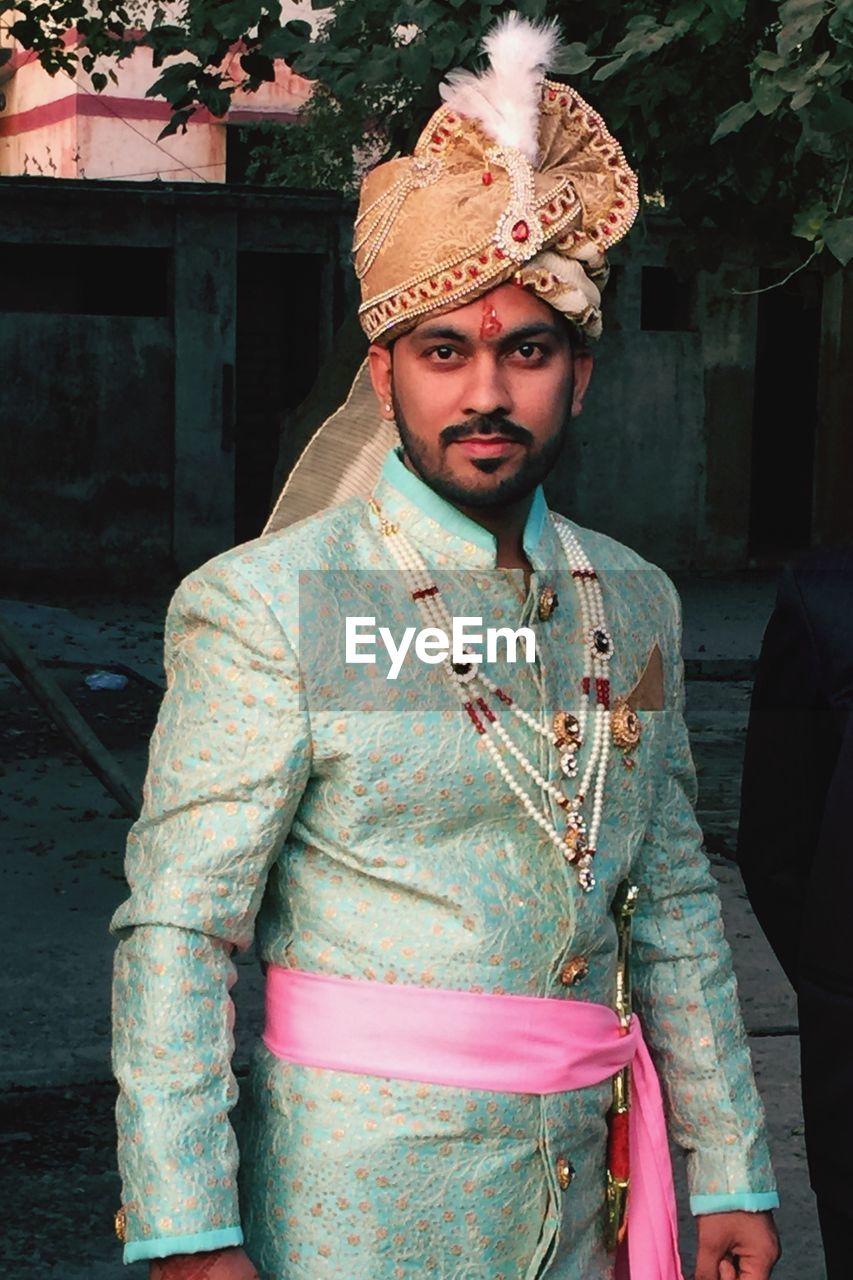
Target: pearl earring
column 388, row 406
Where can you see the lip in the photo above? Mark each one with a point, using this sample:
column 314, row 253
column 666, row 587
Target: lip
column 487, row 446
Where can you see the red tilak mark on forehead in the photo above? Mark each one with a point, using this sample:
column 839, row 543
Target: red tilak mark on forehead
column 491, row 325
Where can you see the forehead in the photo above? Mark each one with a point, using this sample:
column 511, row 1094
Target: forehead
column 514, row 305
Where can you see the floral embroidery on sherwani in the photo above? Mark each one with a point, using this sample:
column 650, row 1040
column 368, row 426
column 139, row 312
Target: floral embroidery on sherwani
column 361, row 831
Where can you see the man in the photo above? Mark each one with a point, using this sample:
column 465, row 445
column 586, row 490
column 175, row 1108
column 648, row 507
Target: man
column 430, row 861
column 796, row 860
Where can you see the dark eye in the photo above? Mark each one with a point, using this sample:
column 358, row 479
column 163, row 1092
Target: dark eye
column 443, row 353
column 530, row 350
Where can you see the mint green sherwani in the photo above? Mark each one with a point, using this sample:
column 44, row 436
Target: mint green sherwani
column 357, row 827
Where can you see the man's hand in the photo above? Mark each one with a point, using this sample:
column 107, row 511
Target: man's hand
column 221, row 1264
column 736, row 1246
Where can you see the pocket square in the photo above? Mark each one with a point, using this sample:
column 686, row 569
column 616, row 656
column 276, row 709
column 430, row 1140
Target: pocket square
column 647, row 693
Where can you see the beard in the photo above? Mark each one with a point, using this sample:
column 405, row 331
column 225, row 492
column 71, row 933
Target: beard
column 520, row 483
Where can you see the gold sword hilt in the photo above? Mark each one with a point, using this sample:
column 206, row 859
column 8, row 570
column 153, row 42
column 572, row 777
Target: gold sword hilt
column 624, row 905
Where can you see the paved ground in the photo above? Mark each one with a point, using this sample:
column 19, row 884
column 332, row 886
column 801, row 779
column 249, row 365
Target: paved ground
column 61, row 879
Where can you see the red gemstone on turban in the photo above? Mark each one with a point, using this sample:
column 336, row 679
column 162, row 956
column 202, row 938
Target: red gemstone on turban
column 520, row 232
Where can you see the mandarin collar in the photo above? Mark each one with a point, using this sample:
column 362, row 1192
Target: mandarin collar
column 445, row 536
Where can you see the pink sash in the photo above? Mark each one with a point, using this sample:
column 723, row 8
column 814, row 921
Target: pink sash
column 506, row 1044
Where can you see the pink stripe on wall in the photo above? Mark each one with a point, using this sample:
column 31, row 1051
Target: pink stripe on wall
column 102, row 106
column 42, row 117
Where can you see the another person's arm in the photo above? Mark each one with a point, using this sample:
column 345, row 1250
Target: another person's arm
column 788, row 764
column 229, row 762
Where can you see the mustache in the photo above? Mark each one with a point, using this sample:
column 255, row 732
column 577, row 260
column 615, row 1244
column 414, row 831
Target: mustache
column 486, row 425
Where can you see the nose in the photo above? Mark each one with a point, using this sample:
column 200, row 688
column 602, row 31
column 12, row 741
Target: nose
column 486, row 390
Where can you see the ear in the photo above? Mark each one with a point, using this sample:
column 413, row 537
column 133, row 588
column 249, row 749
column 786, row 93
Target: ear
column 379, row 364
column 583, row 361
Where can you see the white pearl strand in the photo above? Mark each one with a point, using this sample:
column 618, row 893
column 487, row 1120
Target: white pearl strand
column 595, row 668
column 437, row 615
column 428, row 599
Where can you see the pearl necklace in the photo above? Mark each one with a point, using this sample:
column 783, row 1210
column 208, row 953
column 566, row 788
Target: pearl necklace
column 568, row 733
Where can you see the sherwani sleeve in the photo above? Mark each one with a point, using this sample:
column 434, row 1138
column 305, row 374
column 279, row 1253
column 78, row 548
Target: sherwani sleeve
column 229, row 762
column 684, row 984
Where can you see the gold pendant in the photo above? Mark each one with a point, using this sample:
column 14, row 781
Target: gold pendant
column 574, row 838
column 567, row 730
column 625, row 725
column 547, row 603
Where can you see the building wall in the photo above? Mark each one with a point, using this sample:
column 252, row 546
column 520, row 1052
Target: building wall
column 656, row 458
column 122, row 429
column 56, row 126
column 120, row 143
column 86, row 444
column 136, row 415
column 701, row 444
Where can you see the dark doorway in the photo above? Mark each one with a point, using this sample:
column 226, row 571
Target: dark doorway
column 85, row 280
column 279, row 317
column 784, row 417
column 666, row 303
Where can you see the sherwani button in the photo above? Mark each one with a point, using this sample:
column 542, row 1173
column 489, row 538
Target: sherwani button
column 574, row 970
column 547, row 603
column 565, row 1173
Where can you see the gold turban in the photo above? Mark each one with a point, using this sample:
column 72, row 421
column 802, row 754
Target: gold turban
column 515, row 177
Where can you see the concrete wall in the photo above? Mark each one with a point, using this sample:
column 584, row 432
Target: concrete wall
column 659, row 458
column 85, row 444
column 121, row 433
column 117, row 440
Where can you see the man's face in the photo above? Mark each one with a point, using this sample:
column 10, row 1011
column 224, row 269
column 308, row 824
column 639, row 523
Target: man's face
column 483, row 395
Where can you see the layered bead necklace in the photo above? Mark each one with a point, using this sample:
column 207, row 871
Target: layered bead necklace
column 485, row 703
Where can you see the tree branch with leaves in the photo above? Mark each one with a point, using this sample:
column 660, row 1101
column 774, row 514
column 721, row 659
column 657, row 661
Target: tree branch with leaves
column 739, row 111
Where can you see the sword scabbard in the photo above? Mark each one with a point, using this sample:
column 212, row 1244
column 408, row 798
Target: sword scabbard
column 618, row 1152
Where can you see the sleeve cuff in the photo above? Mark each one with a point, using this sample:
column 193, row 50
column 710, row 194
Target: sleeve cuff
column 201, row 1242
column 746, row 1201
